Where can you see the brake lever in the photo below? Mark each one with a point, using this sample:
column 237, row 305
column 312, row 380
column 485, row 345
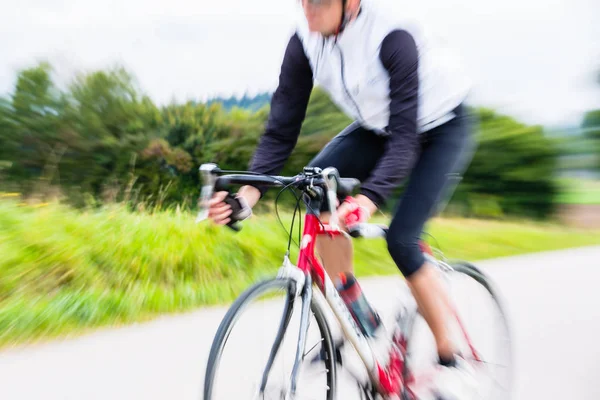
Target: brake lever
column 331, row 177
column 209, row 178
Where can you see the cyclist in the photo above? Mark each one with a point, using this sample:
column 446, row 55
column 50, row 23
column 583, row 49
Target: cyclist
column 406, row 95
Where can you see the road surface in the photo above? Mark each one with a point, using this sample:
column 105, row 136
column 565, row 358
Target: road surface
column 552, row 299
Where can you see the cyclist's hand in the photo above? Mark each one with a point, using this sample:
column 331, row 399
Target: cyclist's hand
column 222, row 213
column 355, row 209
column 218, row 210
column 250, row 194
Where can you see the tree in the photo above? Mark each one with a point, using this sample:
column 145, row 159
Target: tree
column 111, row 122
column 514, row 164
column 104, row 133
column 591, row 128
column 31, row 123
column 7, row 141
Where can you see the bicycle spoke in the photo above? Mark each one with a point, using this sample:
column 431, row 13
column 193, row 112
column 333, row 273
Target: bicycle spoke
column 312, row 348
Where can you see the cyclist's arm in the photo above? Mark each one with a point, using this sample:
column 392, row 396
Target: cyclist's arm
column 399, row 56
column 288, row 110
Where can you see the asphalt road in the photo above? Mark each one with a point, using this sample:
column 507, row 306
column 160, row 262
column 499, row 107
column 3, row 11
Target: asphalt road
column 552, row 300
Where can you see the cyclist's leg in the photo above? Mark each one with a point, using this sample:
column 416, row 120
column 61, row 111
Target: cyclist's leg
column 445, row 152
column 354, row 152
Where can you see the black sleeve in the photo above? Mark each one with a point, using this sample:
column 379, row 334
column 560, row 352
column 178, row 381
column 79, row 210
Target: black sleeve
column 288, row 110
column 399, row 56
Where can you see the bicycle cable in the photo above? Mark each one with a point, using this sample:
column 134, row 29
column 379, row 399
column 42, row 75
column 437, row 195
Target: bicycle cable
column 287, row 187
column 297, row 208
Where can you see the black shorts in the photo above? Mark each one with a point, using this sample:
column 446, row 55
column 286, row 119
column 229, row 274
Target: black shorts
column 444, row 155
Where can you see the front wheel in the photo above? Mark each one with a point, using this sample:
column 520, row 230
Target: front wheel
column 259, row 364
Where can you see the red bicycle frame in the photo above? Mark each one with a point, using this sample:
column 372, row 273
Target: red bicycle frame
column 307, row 261
column 389, row 379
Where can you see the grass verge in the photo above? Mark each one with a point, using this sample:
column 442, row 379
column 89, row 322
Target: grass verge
column 64, row 271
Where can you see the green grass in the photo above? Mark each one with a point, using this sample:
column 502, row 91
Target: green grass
column 64, row 271
column 579, row 191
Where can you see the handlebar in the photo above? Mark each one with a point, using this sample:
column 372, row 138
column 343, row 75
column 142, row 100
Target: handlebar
column 329, row 180
column 343, row 186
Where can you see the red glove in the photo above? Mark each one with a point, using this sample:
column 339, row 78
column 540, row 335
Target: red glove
column 357, row 212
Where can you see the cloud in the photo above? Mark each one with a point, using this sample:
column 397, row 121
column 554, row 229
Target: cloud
column 534, row 59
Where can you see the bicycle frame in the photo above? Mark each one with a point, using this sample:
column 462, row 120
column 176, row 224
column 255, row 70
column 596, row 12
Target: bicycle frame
column 327, row 295
column 392, row 378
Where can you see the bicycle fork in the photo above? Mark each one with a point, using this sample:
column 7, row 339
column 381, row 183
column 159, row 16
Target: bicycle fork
column 300, row 285
column 285, row 320
column 390, row 378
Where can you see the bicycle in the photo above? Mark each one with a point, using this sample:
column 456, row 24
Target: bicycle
column 308, row 283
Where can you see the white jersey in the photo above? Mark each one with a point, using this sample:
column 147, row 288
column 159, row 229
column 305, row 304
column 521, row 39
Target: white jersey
column 348, row 67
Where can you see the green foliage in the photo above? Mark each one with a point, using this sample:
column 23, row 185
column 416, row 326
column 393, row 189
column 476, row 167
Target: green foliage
column 65, row 271
column 82, row 139
column 514, row 164
column 323, row 117
column 591, row 126
column 102, row 138
column 591, row 119
column 30, row 121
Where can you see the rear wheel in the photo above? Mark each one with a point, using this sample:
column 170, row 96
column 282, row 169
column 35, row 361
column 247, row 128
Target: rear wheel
column 267, row 336
column 487, row 345
column 484, row 318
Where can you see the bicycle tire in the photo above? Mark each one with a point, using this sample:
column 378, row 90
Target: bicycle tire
column 235, row 310
column 470, row 270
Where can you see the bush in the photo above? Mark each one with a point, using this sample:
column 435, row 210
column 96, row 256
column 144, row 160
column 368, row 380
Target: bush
column 104, row 138
column 515, row 164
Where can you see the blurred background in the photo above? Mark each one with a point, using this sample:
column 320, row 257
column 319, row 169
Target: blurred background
column 106, row 99
column 107, row 109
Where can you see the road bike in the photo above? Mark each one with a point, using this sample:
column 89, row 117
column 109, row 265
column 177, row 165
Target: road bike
column 389, row 373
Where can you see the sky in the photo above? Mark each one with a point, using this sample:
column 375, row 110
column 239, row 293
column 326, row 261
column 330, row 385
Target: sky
column 534, row 59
